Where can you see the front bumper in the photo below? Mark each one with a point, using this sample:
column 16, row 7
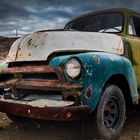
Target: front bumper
column 24, row 108
column 67, row 113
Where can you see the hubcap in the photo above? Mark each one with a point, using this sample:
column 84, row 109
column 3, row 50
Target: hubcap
column 111, row 113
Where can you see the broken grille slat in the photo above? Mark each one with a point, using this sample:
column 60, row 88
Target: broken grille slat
column 54, row 85
column 35, row 70
column 48, row 85
column 28, row 69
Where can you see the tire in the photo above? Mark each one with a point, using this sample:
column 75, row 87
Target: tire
column 109, row 117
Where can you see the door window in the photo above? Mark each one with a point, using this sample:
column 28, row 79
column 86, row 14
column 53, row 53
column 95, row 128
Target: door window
column 134, row 26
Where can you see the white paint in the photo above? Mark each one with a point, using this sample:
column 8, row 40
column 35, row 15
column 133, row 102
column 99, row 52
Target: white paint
column 50, row 103
column 43, row 44
column 39, row 103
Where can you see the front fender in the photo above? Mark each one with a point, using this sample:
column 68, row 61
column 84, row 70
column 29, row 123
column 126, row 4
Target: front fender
column 101, row 66
column 98, row 67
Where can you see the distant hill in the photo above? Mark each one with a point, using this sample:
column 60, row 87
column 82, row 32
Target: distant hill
column 5, row 44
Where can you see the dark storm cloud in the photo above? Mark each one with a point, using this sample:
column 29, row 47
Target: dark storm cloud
column 8, row 10
column 31, row 15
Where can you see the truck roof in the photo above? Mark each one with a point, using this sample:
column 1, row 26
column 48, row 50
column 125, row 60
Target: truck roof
column 121, row 10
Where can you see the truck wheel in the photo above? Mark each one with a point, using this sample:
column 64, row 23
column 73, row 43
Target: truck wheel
column 111, row 113
column 109, row 117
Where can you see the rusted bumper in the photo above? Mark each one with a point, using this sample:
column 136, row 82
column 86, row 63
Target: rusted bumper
column 67, row 113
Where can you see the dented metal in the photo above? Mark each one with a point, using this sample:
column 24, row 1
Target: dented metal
column 39, row 45
column 34, row 69
column 65, row 113
column 47, row 85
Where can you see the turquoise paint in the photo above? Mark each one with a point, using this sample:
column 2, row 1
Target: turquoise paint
column 97, row 75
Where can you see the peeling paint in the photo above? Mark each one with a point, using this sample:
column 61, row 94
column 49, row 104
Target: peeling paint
column 97, row 59
column 41, row 44
column 50, row 103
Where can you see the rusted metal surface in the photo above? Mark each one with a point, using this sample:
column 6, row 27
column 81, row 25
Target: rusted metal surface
column 39, row 45
column 47, row 85
column 66, row 113
column 35, row 69
column 28, row 69
column 8, row 83
column 40, row 102
column 18, row 82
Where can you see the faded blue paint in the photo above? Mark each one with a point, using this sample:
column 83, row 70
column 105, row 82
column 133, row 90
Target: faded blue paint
column 97, row 75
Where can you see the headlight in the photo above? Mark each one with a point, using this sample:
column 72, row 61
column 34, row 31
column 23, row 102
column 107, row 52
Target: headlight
column 73, row 68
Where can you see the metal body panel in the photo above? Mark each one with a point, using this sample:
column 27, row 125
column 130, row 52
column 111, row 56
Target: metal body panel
column 41, row 69
column 132, row 52
column 38, row 46
column 96, row 74
column 48, row 85
column 66, row 113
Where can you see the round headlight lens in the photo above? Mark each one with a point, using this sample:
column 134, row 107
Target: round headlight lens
column 73, row 68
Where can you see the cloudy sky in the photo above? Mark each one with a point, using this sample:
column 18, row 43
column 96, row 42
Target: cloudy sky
column 31, row 15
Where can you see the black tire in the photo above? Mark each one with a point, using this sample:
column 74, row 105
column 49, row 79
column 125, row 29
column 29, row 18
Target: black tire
column 109, row 117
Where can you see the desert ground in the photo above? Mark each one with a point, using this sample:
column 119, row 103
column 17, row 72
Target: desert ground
column 50, row 130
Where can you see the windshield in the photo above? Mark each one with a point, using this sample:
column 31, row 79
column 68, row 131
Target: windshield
column 110, row 22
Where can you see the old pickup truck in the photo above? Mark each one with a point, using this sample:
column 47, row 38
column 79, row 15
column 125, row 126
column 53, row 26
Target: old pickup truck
column 90, row 70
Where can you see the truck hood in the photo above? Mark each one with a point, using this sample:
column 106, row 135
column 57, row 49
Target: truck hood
column 39, row 45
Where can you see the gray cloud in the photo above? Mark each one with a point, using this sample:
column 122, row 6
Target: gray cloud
column 31, row 15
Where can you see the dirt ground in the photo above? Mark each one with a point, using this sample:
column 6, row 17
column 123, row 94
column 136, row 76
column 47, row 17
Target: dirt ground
column 5, row 44
column 48, row 130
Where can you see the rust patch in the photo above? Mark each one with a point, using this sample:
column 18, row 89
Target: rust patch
column 35, row 69
column 67, row 113
column 48, row 85
column 29, row 42
column 96, row 59
column 40, row 84
column 8, row 83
